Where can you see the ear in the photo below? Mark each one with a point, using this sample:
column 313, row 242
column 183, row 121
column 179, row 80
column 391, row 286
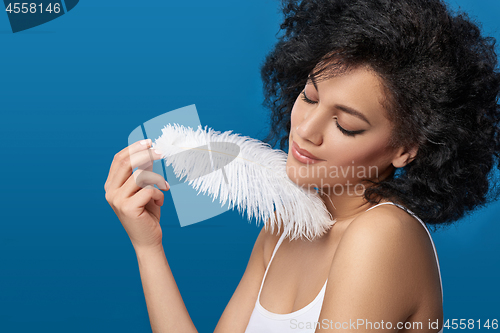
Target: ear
column 404, row 156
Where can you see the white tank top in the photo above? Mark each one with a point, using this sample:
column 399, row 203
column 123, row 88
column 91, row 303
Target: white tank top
column 264, row 321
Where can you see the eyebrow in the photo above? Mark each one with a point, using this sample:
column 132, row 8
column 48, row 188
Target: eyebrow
column 344, row 108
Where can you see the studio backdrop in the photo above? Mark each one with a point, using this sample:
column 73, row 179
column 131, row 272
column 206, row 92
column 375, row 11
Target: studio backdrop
column 78, row 86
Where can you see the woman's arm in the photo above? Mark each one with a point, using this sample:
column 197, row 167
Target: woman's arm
column 166, row 309
column 239, row 309
column 137, row 205
column 378, row 275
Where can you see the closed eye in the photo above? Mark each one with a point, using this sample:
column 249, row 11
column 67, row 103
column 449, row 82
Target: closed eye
column 343, row 130
column 307, row 100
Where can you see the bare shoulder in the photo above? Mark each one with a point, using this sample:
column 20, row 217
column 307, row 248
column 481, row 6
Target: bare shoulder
column 384, row 257
column 266, row 241
column 385, row 234
column 391, row 231
column 390, row 224
column 269, row 241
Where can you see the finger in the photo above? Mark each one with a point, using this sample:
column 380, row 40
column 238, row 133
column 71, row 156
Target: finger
column 140, row 179
column 142, row 159
column 145, row 158
column 154, row 208
column 119, row 158
column 145, row 195
column 144, row 178
column 137, row 156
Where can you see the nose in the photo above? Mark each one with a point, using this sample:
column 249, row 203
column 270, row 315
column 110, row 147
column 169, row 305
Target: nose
column 312, row 126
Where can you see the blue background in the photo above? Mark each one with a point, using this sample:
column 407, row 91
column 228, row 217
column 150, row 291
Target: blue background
column 71, row 91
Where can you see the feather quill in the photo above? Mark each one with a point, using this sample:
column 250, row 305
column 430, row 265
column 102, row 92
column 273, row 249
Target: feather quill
column 248, row 174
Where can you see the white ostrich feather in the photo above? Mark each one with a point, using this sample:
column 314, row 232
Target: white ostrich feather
column 247, row 173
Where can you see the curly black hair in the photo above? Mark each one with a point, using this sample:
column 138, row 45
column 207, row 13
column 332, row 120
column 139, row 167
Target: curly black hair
column 442, row 86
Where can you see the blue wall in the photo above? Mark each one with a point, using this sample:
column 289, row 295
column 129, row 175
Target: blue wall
column 71, row 91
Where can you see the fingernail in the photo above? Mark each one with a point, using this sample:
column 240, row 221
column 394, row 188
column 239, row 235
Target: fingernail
column 158, row 152
column 145, row 142
column 168, row 186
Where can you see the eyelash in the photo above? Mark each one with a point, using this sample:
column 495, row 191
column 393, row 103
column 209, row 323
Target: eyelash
column 343, row 130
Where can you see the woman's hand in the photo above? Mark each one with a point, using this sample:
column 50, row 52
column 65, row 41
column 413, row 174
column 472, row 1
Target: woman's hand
column 133, row 198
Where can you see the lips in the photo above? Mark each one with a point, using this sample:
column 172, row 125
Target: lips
column 304, row 152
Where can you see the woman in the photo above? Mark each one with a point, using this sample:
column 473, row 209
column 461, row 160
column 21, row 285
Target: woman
column 400, row 91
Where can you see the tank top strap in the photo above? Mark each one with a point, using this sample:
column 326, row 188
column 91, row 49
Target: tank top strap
column 428, row 233
column 384, row 203
column 280, row 240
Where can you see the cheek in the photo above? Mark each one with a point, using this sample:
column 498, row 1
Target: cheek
column 368, row 151
column 372, row 153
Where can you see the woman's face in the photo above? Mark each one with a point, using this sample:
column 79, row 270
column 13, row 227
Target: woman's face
column 341, row 122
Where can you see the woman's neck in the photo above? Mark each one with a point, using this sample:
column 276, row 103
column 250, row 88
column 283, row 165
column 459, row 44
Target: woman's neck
column 344, row 207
